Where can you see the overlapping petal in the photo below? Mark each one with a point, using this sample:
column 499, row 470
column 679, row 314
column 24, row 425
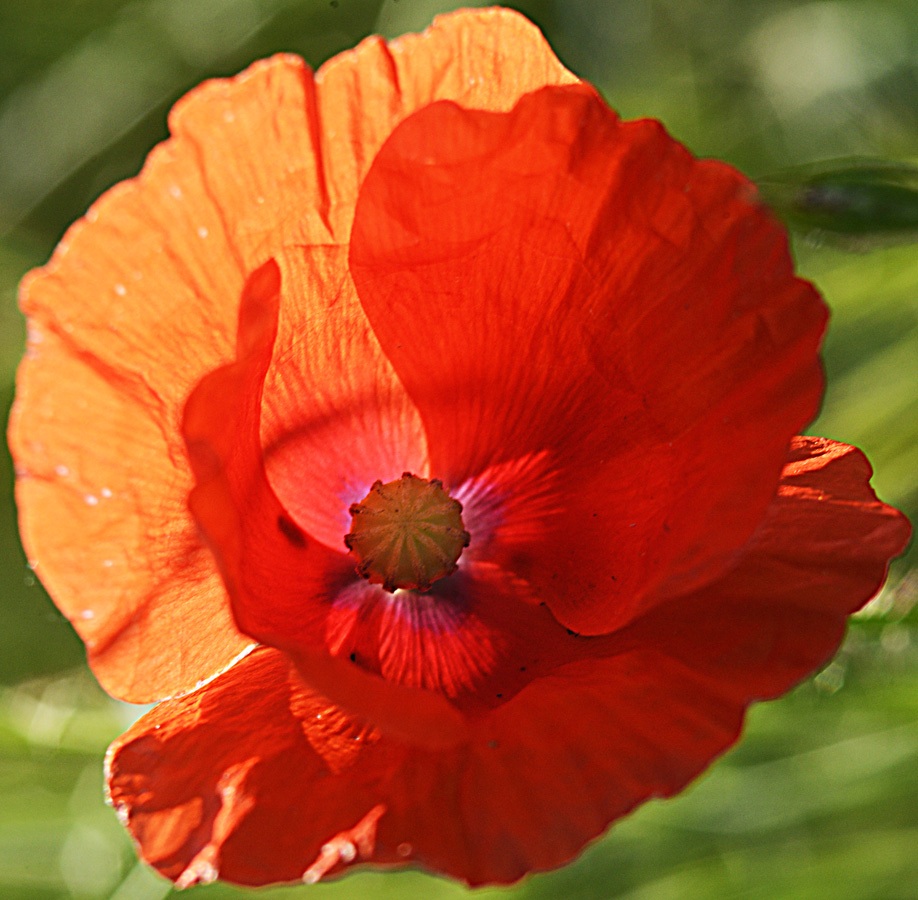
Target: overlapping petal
column 141, row 300
column 538, row 775
column 607, row 302
column 475, row 639
column 280, row 579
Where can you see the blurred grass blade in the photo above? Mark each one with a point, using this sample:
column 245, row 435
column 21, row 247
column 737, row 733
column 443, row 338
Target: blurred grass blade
column 856, row 204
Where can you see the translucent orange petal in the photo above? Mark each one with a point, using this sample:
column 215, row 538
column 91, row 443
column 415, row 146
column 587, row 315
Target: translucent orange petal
column 288, row 170
column 143, row 293
column 551, row 283
column 110, row 545
column 481, row 59
column 142, row 296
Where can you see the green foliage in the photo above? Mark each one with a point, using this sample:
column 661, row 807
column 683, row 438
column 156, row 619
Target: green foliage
column 821, row 798
column 860, row 204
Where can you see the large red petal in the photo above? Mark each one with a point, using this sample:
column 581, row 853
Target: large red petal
column 259, row 779
column 581, row 747
column 553, row 283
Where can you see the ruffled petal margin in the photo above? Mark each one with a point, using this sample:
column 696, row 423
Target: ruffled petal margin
column 104, row 520
column 140, row 301
column 256, row 778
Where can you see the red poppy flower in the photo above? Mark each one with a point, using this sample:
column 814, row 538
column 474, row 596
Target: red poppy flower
column 445, row 257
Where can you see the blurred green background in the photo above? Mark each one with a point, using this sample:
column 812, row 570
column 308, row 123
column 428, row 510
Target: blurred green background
column 821, row 798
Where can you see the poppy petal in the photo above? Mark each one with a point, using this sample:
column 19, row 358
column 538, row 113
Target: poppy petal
column 136, row 587
column 335, row 418
column 203, row 781
column 607, row 304
column 179, row 778
column 824, row 547
column 280, row 579
column 482, row 59
column 655, row 707
column 475, row 637
column 140, row 300
column 297, row 162
column 251, row 534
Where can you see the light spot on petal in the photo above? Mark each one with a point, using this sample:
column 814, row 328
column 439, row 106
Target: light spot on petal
column 91, row 500
column 203, row 232
column 175, row 191
column 199, row 871
column 87, row 614
column 61, row 470
column 358, row 842
column 120, row 289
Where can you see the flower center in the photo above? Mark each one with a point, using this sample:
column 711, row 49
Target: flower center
column 406, row 533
